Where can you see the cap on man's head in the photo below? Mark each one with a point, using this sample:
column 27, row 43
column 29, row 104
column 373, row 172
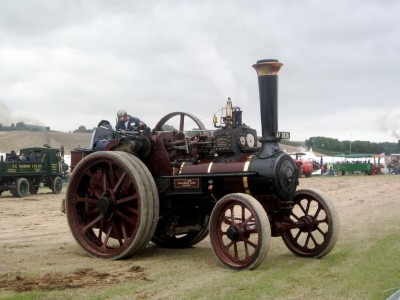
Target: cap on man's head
column 121, row 113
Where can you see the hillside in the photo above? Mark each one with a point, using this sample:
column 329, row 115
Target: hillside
column 16, row 140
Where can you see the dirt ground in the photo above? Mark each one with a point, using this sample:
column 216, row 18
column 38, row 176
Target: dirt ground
column 37, row 250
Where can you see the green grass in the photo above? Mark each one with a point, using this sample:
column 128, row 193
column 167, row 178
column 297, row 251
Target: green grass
column 350, row 271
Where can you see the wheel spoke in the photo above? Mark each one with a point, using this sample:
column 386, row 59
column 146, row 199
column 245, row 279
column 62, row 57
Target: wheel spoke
column 295, row 216
column 132, row 210
column 246, row 249
column 85, row 228
column 181, row 122
column 125, row 218
column 307, row 239
column 302, row 208
column 92, row 211
column 119, row 182
column 227, row 221
column 313, row 239
column 247, row 220
column 86, row 200
column 320, row 231
column 297, row 235
column 235, row 249
column 117, row 233
column 95, row 192
column 107, row 237
column 248, row 242
column 308, row 208
column 100, row 229
column 126, row 199
column 104, row 181
column 324, row 221
column 252, row 231
column 317, row 212
column 231, row 209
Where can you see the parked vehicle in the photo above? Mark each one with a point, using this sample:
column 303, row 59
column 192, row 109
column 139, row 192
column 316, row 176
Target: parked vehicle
column 304, row 166
column 41, row 166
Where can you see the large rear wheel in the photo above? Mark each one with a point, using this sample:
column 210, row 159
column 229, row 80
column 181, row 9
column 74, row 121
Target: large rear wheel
column 240, row 232
column 110, row 205
column 314, row 224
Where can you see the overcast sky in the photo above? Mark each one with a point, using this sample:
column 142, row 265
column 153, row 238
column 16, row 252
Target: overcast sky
column 65, row 64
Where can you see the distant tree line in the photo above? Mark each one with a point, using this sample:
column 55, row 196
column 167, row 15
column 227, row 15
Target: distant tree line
column 21, row 126
column 331, row 146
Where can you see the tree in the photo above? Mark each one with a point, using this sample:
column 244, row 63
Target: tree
column 82, row 129
column 167, row 127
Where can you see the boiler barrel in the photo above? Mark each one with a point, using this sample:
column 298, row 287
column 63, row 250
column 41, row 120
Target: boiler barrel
column 264, row 175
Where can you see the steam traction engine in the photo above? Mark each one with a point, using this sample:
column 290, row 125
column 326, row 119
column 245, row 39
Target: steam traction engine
column 174, row 190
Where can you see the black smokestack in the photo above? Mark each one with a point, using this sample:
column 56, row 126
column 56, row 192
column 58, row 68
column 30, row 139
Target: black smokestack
column 267, row 71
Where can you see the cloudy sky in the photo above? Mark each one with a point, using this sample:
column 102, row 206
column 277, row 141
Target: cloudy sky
column 65, row 64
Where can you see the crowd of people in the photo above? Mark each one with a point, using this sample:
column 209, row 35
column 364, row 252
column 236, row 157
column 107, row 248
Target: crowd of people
column 13, row 156
column 394, row 165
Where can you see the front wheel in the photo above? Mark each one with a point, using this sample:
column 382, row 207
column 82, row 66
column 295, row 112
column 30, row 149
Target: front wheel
column 313, row 224
column 22, row 187
column 240, row 232
column 56, row 185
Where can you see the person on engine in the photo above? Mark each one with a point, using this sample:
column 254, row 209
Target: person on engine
column 128, row 123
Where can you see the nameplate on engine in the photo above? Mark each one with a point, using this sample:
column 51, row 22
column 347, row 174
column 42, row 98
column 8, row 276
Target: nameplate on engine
column 283, row 135
column 192, row 183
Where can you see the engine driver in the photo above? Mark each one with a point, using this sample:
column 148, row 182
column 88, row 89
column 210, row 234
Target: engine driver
column 128, row 123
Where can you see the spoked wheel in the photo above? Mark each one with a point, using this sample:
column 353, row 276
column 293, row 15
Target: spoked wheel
column 240, row 232
column 56, row 185
column 314, row 224
column 111, row 204
column 22, row 187
column 182, row 115
column 183, row 240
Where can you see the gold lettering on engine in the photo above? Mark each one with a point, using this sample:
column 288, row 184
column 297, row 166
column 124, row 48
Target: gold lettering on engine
column 192, row 183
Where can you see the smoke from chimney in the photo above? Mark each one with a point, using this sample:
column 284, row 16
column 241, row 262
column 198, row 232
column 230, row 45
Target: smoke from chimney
column 389, row 122
column 7, row 117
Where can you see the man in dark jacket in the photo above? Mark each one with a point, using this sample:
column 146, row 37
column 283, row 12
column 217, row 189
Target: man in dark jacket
column 128, row 123
column 12, row 156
